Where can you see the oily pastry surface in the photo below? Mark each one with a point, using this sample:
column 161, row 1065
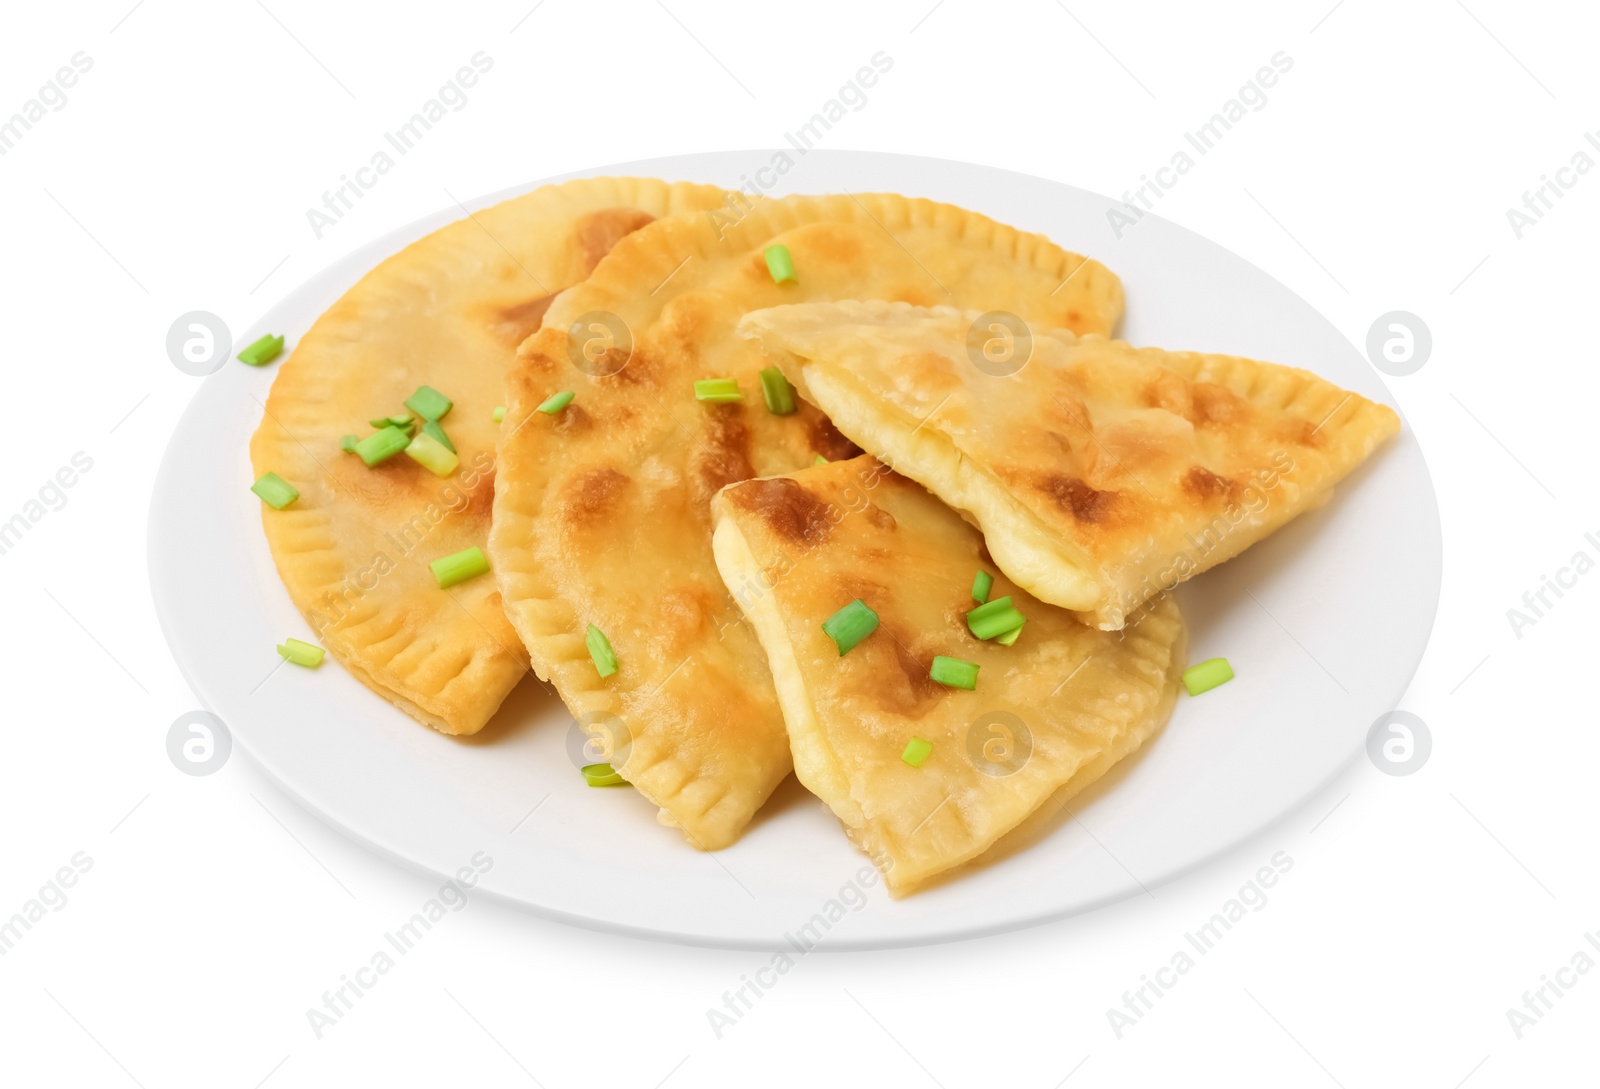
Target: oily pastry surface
column 1100, row 474
column 448, row 311
column 1053, row 712
column 602, row 510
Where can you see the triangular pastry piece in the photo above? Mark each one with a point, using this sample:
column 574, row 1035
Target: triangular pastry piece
column 925, row 776
column 1100, row 474
column 602, row 507
column 448, row 312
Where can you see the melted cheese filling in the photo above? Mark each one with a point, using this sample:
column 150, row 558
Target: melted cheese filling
column 1021, row 547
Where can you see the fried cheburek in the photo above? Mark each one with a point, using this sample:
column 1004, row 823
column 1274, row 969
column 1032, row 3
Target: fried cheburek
column 1100, row 474
column 447, row 311
column 601, row 538
column 925, row 776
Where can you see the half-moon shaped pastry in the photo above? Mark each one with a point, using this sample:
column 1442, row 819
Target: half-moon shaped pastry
column 1100, row 474
column 447, row 312
column 924, row 772
column 602, row 523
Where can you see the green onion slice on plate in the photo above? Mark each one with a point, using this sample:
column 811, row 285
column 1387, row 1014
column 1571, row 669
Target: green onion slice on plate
column 262, row 351
column 602, row 775
column 1207, row 675
column 301, row 653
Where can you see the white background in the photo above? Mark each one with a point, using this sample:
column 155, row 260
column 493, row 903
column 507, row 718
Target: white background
column 1377, row 177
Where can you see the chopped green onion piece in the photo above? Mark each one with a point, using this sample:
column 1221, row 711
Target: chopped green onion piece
column 498, row 414
column 600, row 652
column 275, row 491
column 380, row 446
column 994, row 618
column 398, row 421
column 779, row 263
column 556, row 402
column 777, row 391
column 954, row 672
column 997, row 624
column 347, row 443
column 432, row 429
column 982, row 583
column 717, row 389
column 301, row 653
column 458, row 567
column 431, row 454
column 850, row 625
column 1009, row 639
column 820, row 460
column 916, row 751
column 602, row 775
column 1207, row 675
column 263, row 351
column 429, row 403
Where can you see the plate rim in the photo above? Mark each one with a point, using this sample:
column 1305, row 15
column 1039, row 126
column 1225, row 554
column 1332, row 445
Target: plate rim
column 361, row 256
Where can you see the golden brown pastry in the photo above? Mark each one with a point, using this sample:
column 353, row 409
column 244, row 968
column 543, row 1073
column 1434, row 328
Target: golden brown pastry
column 1100, row 474
column 602, row 508
column 448, row 312
column 925, row 775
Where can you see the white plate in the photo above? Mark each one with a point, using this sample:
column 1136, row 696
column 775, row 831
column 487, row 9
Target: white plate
column 1324, row 623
